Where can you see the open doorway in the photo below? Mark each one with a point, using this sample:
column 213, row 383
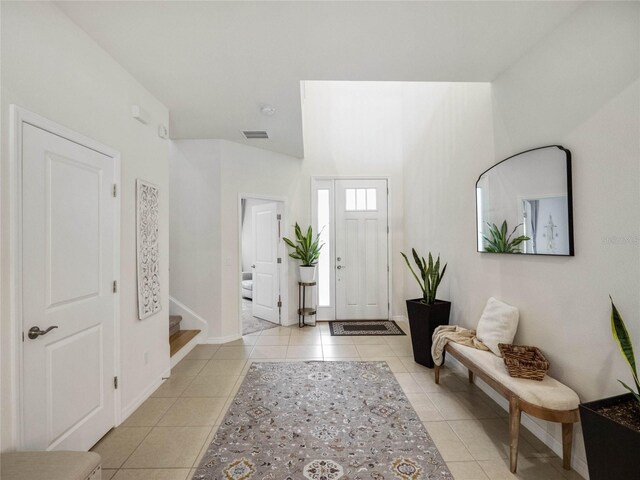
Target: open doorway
column 261, row 253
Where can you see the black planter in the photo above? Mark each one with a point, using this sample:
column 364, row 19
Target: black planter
column 612, row 448
column 423, row 320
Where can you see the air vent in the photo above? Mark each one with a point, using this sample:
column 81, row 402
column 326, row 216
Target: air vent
column 250, row 134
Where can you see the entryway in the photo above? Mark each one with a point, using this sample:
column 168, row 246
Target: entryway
column 66, row 271
column 261, row 254
column 353, row 270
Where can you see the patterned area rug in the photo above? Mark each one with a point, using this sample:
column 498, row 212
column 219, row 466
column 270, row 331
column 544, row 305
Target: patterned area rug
column 321, row 421
column 364, row 327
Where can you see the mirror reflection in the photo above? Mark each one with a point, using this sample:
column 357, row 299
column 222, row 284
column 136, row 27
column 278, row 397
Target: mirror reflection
column 524, row 204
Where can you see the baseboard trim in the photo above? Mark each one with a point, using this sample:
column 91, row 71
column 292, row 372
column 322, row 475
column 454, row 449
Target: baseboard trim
column 190, row 319
column 140, row 399
column 577, row 463
column 400, row 318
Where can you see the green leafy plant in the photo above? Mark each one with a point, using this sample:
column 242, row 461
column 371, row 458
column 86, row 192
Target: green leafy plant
column 621, row 335
column 500, row 242
column 306, row 247
column 430, row 275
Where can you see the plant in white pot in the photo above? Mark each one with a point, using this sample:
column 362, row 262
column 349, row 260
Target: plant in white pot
column 306, row 248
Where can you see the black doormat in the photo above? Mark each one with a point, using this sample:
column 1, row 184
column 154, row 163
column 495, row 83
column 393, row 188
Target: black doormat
column 364, row 327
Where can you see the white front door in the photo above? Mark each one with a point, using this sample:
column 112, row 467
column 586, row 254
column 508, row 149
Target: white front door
column 68, row 249
column 361, row 250
column 266, row 289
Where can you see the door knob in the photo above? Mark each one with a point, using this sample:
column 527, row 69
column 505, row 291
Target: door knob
column 35, row 332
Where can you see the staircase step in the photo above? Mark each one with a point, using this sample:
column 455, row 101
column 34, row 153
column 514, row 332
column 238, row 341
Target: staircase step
column 180, row 339
column 174, row 324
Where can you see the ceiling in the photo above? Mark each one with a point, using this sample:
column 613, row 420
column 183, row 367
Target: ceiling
column 214, row 64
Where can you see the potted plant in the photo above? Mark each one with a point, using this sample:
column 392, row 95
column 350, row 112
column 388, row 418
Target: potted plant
column 611, row 426
column 500, row 242
column 306, row 248
column 426, row 313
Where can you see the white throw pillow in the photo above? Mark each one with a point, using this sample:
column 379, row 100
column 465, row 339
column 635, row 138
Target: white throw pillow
column 498, row 324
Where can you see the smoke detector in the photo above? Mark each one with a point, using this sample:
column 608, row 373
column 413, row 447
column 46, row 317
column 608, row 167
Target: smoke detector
column 268, row 110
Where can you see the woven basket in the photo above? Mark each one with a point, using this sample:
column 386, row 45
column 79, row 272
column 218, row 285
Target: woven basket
column 523, row 361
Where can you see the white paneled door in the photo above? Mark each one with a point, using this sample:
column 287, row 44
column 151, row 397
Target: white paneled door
column 266, row 287
column 361, row 261
column 68, row 250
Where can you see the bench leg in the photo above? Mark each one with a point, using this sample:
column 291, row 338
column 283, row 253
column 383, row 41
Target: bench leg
column 567, row 440
column 436, row 373
column 470, row 376
column 514, row 432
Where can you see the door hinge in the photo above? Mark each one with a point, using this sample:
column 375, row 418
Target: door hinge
column 278, row 217
column 23, row 336
column 279, row 260
column 115, row 286
column 279, row 302
column 115, row 382
column 387, row 229
column 115, row 190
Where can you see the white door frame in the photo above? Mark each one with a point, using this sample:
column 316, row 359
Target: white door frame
column 19, row 116
column 314, row 221
column 283, row 277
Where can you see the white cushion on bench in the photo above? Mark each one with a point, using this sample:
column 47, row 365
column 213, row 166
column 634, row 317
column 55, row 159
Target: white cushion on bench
column 548, row 393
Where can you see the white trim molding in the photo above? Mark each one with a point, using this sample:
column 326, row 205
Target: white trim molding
column 140, row 399
column 190, row 319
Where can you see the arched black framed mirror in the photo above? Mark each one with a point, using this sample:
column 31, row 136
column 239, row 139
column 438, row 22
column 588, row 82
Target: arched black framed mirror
column 524, row 204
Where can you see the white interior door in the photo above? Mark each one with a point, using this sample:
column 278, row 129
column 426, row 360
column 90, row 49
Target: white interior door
column 361, row 238
column 67, row 270
column 266, row 290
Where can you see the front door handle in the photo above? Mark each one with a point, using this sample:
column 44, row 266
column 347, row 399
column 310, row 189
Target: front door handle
column 35, row 332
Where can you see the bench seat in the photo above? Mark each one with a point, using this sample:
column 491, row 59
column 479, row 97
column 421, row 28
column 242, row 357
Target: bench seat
column 548, row 393
column 547, row 399
column 50, row 466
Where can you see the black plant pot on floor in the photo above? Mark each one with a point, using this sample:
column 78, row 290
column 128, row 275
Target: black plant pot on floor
column 423, row 320
column 612, row 448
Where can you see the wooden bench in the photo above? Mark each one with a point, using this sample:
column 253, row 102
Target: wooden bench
column 548, row 400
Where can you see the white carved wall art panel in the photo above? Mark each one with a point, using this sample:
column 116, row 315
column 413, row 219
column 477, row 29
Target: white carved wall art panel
column 147, row 249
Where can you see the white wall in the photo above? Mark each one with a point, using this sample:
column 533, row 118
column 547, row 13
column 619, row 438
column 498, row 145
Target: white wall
column 579, row 87
column 51, row 67
column 195, row 231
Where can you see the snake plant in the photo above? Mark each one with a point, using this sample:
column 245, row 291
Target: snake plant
column 626, row 348
column 430, row 275
column 306, row 247
column 500, row 242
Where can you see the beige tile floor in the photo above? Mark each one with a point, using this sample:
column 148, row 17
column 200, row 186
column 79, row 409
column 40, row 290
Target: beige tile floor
column 166, row 437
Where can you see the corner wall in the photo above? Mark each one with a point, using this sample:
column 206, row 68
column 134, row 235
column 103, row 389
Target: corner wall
column 51, row 67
